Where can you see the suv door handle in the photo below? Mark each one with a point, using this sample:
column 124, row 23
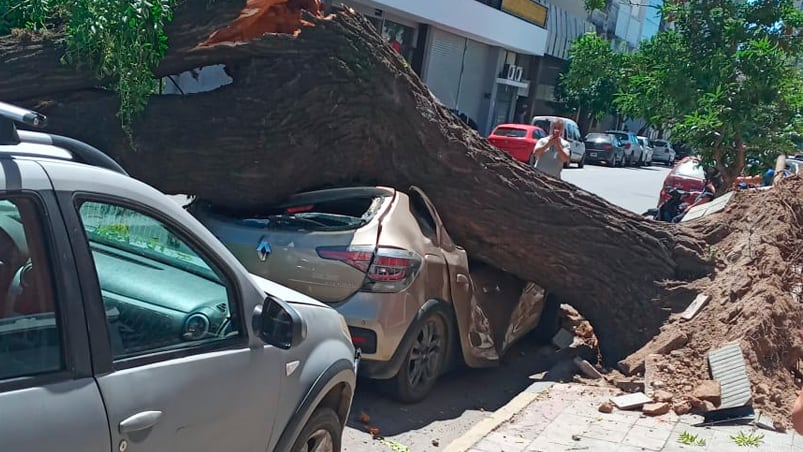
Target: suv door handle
column 140, row 421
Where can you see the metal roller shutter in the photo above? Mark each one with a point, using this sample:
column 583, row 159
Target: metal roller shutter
column 475, row 79
column 443, row 65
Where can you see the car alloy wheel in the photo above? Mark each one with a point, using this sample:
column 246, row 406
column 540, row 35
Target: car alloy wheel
column 319, row 441
column 322, row 433
column 424, row 361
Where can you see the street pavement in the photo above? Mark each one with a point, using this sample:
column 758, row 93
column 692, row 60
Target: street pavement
column 564, row 417
column 469, row 396
column 635, row 189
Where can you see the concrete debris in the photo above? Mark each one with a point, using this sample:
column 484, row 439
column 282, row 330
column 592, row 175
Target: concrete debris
column 630, row 401
column 587, row 368
column 655, row 409
column 606, row 407
column 710, row 391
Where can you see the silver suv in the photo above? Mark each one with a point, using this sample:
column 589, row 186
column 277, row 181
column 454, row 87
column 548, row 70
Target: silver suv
column 127, row 326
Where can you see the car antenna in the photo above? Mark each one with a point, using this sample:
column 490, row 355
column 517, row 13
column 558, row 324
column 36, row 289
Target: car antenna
column 9, row 115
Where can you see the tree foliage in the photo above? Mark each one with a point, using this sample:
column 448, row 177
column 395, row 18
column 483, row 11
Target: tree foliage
column 592, row 78
column 724, row 81
column 121, row 40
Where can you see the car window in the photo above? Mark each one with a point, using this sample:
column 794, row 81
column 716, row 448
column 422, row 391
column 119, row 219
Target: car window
column 538, row 134
column 30, row 330
column 159, row 293
column 598, row 137
column 423, row 217
column 690, row 168
column 510, row 132
column 659, row 143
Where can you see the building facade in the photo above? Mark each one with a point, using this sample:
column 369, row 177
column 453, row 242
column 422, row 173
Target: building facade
column 475, row 56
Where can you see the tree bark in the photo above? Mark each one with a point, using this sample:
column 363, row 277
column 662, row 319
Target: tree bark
column 335, row 106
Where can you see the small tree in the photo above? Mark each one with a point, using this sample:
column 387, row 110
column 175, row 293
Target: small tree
column 724, row 81
column 592, row 79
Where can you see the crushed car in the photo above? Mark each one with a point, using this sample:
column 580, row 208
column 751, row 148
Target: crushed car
column 414, row 303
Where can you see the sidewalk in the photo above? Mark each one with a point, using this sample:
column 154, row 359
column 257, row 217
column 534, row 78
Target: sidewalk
column 555, row 417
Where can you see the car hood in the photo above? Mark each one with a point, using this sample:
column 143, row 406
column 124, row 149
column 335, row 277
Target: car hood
column 285, row 293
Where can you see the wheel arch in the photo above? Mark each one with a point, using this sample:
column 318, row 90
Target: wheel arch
column 333, row 388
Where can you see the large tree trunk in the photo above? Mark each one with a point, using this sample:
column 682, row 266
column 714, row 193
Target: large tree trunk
column 334, row 105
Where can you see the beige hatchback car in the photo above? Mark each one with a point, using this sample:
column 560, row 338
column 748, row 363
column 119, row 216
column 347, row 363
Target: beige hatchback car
column 384, row 260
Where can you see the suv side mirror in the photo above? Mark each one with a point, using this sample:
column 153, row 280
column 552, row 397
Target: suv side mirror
column 278, row 324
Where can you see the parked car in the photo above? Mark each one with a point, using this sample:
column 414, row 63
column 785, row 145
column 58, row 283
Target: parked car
column 571, row 133
column 647, row 148
column 688, row 175
column 634, row 155
column 518, row 140
column 663, row 152
column 604, row 147
column 127, row 326
column 384, row 260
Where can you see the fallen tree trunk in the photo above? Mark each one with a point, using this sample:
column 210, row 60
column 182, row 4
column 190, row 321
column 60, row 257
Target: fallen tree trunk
column 333, row 105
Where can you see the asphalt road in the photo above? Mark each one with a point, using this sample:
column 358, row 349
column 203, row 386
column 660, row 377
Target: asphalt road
column 635, row 189
column 466, row 396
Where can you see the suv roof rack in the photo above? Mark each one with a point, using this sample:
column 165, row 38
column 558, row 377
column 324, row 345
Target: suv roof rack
column 80, row 151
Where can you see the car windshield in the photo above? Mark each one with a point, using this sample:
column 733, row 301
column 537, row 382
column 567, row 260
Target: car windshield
column 690, row 168
column 543, row 123
column 138, row 234
column 510, row 132
column 658, row 143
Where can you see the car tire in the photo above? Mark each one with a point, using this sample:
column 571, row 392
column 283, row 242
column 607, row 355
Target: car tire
column 582, row 161
column 418, row 374
column 323, row 432
column 549, row 323
column 566, row 165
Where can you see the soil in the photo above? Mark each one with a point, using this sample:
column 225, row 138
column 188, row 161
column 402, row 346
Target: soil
column 757, row 243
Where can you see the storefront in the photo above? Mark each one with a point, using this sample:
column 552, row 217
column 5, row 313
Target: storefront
column 458, row 71
column 402, row 34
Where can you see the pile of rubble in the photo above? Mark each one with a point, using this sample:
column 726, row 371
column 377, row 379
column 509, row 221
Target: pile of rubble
column 749, row 308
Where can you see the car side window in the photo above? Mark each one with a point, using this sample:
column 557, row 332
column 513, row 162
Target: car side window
column 159, row 293
column 30, row 329
column 422, row 216
column 538, row 134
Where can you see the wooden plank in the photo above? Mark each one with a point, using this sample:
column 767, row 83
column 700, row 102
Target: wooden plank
column 699, row 302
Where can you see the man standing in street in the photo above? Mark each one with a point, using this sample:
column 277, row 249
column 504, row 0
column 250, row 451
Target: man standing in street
column 552, row 151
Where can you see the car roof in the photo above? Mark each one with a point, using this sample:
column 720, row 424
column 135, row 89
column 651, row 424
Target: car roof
column 518, row 126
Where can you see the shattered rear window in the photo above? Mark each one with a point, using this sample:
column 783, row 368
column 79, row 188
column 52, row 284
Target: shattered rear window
column 331, row 215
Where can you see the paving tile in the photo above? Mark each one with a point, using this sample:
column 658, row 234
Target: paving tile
column 666, row 421
column 498, row 442
column 721, row 441
column 560, row 433
column 648, row 438
column 610, row 432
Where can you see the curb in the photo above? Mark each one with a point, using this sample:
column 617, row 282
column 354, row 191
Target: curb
column 500, row 416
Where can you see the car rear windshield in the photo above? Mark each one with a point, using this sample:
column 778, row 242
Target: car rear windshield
column 510, row 132
column 598, row 137
column 690, row 168
column 658, row 143
column 337, row 214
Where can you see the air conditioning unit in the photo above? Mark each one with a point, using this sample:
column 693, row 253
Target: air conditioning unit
column 514, row 72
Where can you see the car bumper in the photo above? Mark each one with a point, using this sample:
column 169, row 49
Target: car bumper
column 378, row 323
column 662, row 157
column 598, row 156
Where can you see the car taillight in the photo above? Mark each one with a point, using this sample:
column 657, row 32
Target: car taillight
column 386, row 270
column 607, row 147
column 359, row 257
column 392, row 270
column 627, row 145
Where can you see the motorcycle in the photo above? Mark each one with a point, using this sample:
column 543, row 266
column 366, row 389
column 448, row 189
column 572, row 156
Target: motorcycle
column 669, row 210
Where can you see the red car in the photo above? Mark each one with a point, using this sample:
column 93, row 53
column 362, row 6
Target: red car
column 688, row 175
column 518, row 140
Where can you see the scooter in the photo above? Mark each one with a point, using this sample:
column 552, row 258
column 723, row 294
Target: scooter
column 669, row 210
